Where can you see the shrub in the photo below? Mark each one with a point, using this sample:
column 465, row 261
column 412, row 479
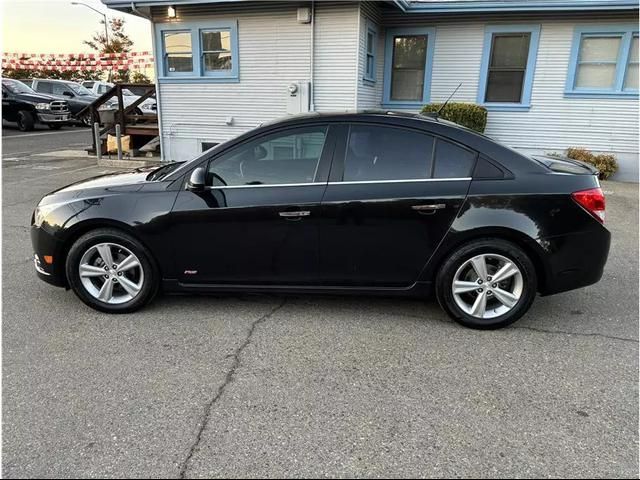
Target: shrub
column 605, row 163
column 465, row 114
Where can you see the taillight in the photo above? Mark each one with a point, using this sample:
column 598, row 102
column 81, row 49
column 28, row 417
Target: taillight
column 592, row 201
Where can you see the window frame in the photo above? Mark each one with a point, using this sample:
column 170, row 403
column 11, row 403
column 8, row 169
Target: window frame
column 197, row 74
column 626, row 32
column 220, row 73
column 373, row 31
column 338, row 165
column 390, row 34
column 529, row 74
column 165, row 54
column 320, row 176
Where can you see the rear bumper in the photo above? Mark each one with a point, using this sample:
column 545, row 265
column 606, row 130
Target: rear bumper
column 575, row 260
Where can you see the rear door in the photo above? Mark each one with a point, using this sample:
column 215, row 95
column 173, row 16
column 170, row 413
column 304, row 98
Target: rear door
column 393, row 192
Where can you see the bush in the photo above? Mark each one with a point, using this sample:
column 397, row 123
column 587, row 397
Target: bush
column 465, row 114
column 605, row 163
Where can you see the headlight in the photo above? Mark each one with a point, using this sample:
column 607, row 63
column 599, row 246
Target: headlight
column 108, row 106
column 42, row 211
column 42, row 106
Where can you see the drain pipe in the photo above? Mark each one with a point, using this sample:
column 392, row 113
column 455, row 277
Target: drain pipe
column 155, row 72
column 312, row 106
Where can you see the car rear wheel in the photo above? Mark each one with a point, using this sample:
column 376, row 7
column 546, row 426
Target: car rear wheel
column 487, row 284
column 111, row 271
column 26, row 121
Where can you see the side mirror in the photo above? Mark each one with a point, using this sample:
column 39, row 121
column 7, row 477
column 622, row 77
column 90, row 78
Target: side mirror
column 196, row 180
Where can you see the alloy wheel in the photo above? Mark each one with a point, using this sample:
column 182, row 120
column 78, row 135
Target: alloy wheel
column 111, row 273
column 487, row 286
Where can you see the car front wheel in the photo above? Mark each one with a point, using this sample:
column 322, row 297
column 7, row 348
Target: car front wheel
column 487, row 284
column 26, row 121
column 111, row 271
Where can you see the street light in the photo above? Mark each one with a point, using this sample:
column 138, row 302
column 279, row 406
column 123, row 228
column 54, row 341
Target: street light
column 106, row 31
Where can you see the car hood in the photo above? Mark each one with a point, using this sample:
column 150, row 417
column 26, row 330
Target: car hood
column 112, row 182
column 37, row 97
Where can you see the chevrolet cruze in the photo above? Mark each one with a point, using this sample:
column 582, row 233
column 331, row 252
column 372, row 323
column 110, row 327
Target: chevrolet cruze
column 376, row 203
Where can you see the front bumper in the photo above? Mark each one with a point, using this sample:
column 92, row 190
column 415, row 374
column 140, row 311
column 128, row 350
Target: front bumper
column 44, row 244
column 54, row 117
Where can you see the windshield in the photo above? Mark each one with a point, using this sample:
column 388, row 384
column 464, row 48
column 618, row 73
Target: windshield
column 78, row 89
column 14, row 86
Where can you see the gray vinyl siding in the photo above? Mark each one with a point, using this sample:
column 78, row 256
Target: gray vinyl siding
column 274, row 50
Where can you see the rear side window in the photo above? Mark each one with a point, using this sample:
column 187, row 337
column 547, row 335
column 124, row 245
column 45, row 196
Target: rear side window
column 44, row 87
column 452, row 161
column 387, row 153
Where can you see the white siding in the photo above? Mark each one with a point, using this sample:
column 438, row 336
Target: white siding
column 335, row 60
column 274, row 50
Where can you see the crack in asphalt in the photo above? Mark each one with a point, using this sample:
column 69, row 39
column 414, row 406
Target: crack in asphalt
column 228, row 379
column 579, row 334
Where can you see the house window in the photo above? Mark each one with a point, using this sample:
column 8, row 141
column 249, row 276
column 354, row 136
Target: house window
column 200, row 52
column 216, row 50
column 408, row 60
column 370, row 59
column 508, row 64
column 178, row 55
column 604, row 61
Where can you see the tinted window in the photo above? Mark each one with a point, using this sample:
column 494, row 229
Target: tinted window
column 452, row 161
column 44, row 87
column 59, row 88
column 387, row 153
column 291, row 156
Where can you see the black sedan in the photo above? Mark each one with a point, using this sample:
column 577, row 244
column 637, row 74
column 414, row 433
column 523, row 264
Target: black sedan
column 367, row 203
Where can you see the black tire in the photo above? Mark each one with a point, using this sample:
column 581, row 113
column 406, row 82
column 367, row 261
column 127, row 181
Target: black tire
column 150, row 283
column 54, row 126
column 445, row 278
column 26, row 121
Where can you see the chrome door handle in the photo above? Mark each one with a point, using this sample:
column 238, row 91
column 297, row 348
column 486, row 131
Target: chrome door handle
column 296, row 214
column 430, row 207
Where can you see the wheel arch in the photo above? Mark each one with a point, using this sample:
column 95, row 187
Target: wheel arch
column 530, row 246
column 78, row 230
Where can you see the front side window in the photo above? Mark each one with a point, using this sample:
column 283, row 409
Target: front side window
column 604, row 61
column 508, row 65
column 216, row 50
column 44, row 87
column 60, row 89
column 288, row 157
column 178, row 54
column 387, row 153
column 408, row 59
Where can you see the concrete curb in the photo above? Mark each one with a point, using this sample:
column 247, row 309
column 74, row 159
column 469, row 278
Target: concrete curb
column 149, row 162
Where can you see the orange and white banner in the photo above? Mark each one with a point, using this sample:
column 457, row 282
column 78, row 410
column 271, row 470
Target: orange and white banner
column 77, row 61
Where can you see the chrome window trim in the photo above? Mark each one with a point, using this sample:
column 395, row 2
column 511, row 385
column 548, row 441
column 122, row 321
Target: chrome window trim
column 410, row 180
column 360, row 182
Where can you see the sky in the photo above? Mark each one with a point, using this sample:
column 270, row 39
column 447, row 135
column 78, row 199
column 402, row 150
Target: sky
column 56, row 26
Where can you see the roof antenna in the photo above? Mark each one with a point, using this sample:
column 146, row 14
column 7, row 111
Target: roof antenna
column 445, row 103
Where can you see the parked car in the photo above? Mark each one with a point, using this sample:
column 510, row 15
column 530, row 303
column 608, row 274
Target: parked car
column 99, row 88
column 367, row 203
column 26, row 107
column 75, row 94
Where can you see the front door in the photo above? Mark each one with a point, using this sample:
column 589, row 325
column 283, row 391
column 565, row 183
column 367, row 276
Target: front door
column 256, row 223
column 392, row 195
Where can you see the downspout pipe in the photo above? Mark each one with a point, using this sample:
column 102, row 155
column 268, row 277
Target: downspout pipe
column 312, row 106
column 163, row 155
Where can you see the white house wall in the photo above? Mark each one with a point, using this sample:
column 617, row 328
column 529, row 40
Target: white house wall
column 274, row 50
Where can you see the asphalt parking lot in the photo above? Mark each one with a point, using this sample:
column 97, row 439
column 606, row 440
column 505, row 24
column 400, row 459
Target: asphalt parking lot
column 297, row 386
